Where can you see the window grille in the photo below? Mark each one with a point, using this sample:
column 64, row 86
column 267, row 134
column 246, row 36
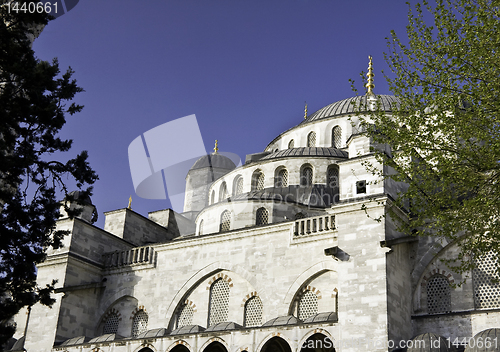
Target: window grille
column 140, row 323
column 253, row 312
column 262, row 216
column 311, row 139
column 111, row 324
column 486, row 285
column 219, row 302
column 308, row 305
column 282, row 179
column 333, row 177
column 337, row 137
column 260, row 181
column 238, row 189
column 225, row 221
column 185, row 316
column 291, row 144
column 212, row 198
column 438, row 295
column 223, row 191
column 306, row 178
column 200, row 229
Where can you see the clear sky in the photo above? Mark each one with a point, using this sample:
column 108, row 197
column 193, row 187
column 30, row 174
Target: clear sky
column 244, row 67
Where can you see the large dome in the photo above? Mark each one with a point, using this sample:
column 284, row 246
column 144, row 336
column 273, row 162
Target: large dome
column 215, row 161
column 349, row 105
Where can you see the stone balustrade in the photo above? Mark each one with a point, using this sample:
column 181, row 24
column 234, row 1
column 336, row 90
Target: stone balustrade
column 308, row 226
column 140, row 255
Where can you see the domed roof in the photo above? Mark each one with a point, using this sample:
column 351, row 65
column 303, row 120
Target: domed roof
column 214, row 160
column 349, row 105
column 491, row 335
column 307, row 151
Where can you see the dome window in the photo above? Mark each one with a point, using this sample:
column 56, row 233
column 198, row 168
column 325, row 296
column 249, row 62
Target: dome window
column 306, row 176
column 291, row 144
column 282, row 179
column 200, row 228
column 223, row 191
column 337, row 137
column 262, row 216
column 225, row 221
column 311, row 139
column 333, row 177
column 258, row 179
column 212, row 198
column 238, row 185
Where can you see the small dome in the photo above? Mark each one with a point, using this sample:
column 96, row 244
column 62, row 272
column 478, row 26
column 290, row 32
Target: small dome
column 491, row 335
column 80, row 197
column 215, row 161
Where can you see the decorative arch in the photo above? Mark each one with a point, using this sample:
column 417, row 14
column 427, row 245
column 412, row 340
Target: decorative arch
column 110, row 309
column 205, row 273
column 177, row 346
column 273, row 336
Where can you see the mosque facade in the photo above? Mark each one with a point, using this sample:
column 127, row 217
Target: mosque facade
column 279, row 255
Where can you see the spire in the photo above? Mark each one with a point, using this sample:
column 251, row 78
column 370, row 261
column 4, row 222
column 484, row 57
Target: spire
column 305, row 112
column 216, row 148
column 370, row 85
column 129, row 203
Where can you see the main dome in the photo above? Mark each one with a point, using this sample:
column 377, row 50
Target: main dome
column 349, row 105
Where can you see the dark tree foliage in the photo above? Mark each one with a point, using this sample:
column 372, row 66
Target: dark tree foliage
column 33, row 109
column 445, row 134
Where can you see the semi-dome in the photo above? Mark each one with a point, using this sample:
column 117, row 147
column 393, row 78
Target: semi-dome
column 214, row 160
column 349, row 105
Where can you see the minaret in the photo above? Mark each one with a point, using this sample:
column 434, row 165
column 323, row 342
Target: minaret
column 370, row 96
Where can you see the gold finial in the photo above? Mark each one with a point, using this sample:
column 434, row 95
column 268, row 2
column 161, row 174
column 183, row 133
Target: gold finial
column 305, row 111
column 370, row 85
column 129, row 203
column 216, row 148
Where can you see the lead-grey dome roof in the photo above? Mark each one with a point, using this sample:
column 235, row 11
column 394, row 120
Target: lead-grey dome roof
column 350, row 105
column 215, row 161
column 307, row 151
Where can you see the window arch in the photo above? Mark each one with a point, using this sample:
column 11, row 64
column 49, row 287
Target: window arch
column 307, row 305
column 200, row 228
column 281, row 180
column 185, row 316
column 223, row 191
column 111, row 324
column 139, row 323
column 311, row 139
column 238, row 185
column 306, row 175
column 337, row 137
column 438, row 294
column 253, row 312
column 212, row 197
column 218, row 308
column 258, row 180
column 225, row 221
column 291, row 144
column 262, row 216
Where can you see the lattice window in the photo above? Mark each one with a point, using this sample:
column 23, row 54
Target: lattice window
column 337, row 137
column 438, row 295
column 185, row 316
column 308, row 305
column 262, row 216
column 212, row 198
column 486, row 282
column 140, row 323
column 111, row 324
column 282, row 178
column 260, row 181
column 311, row 139
column 253, row 312
column 306, row 179
column 225, row 221
column 200, row 229
column 223, row 191
column 219, row 302
column 238, row 186
column 333, row 177
column 291, row 144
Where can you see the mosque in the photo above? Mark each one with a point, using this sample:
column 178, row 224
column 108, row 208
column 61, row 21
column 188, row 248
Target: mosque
column 279, row 256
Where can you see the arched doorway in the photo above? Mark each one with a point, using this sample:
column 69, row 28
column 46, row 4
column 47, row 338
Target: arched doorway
column 276, row 344
column 318, row 343
column 215, row 347
column 180, row 348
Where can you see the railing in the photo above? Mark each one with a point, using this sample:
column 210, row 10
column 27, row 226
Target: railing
column 314, row 225
column 142, row 255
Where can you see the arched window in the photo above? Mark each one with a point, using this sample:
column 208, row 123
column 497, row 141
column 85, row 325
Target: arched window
column 238, row 186
column 111, row 324
column 438, row 294
column 486, row 281
column 262, row 216
column 291, row 144
column 258, row 179
column 200, row 228
column 307, row 305
column 281, row 179
column 311, row 139
column 337, row 137
column 218, row 308
column 225, row 221
column 332, row 179
column 185, row 316
column 139, row 323
column 306, row 177
column 212, row 198
column 223, row 191
column 253, row 312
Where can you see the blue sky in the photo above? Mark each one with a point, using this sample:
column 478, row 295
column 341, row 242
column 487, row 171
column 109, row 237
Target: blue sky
column 243, row 67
